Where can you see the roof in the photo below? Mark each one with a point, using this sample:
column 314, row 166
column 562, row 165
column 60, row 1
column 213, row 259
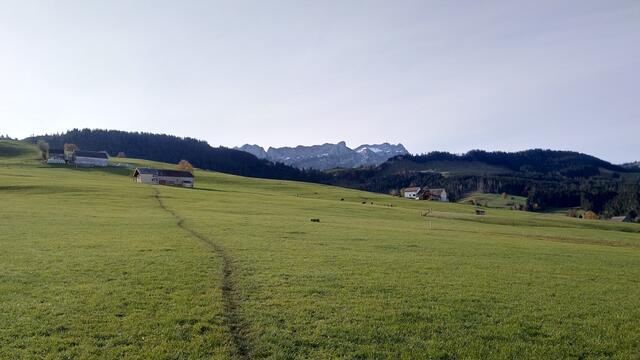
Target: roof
column 162, row 172
column 437, row 192
column 618, row 218
column 91, row 154
column 411, row 189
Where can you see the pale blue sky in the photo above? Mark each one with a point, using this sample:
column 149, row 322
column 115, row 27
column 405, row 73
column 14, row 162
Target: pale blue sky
column 434, row 75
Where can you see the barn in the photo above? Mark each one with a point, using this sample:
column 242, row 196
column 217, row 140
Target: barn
column 411, row 192
column 56, row 157
column 164, row 177
column 90, row 158
column 433, row 194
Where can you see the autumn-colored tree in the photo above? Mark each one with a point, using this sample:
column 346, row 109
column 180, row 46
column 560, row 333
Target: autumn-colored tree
column 590, row 215
column 504, row 195
column 185, row 165
column 70, row 147
column 43, row 146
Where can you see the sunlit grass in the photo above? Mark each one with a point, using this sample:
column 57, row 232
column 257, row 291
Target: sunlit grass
column 91, row 266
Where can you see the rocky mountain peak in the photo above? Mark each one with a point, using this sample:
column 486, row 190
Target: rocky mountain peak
column 328, row 156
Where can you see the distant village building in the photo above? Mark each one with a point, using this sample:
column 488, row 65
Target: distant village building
column 411, row 192
column 56, row 157
column 164, row 177
column 627, row 218
column 90, row 158
column 419, row 193
column 433, row 194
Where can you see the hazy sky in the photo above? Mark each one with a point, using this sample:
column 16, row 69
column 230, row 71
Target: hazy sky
column 434, row 75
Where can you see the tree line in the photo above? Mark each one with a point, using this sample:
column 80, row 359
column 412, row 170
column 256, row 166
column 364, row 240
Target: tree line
column 172, row 149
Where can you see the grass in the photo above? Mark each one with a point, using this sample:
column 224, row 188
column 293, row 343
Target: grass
column 92, row 266
column 495, row 201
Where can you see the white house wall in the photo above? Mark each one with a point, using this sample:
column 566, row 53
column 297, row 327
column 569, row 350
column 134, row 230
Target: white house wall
column 85, row 161
column 410, row 194
column 145, row 178
column 168, row 180
column 174, row 180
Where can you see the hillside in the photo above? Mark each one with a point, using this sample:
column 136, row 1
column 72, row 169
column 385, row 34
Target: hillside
column 97, row 266
column 496, row 201
column 547, row 178
column 539, row 161
column 171, row 149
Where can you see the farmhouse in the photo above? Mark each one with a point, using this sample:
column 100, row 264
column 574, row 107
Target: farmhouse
column 433, row 194
column 56, row 157
column 411, row 192
column 164, row 177
column 90, row 158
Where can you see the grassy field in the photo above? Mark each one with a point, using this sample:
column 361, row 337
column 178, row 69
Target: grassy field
column 94, row 265
column 495, row 201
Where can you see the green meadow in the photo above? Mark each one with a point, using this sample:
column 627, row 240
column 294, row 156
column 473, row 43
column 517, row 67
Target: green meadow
column 496, row 201
column 94, row 265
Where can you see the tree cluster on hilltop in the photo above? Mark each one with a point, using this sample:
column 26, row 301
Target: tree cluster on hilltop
column 172, row 149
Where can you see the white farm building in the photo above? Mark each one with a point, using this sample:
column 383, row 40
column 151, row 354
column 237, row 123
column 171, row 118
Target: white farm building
column 90, row 158
column 164, row 177
column 411, row 192
column 419, row 193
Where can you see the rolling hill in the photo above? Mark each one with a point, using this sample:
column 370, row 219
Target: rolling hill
column 97, row 266
column 547, row 178
column 171, row 149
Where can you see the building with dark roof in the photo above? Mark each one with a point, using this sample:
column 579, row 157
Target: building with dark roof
column 90, row 158
column 433, row 194
column 56, row 156
column 164, row 177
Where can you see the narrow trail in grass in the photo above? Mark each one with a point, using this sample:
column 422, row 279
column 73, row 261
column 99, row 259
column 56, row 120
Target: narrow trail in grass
column 233, row 319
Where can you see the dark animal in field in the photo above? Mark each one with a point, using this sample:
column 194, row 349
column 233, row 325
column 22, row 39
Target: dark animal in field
column 342, row 199
column 315, row 220
column 480, row 212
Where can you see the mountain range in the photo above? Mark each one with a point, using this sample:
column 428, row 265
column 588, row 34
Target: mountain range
column 328, row 156
column 632, row 165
